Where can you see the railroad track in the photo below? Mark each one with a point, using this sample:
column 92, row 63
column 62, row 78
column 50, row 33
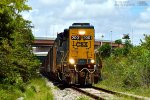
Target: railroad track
column 95, row 93
column 104, row 94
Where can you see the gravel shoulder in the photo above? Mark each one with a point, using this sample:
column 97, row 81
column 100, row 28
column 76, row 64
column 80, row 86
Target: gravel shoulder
column 65, row 93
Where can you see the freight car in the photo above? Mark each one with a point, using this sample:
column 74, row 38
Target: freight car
column 72, row 59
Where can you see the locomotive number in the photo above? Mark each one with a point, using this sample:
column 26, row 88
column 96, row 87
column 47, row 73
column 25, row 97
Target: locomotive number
column 81, row 44
column 87, row 38
column 75, row 37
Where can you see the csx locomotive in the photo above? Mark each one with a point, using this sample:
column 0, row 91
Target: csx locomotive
column 72, row 59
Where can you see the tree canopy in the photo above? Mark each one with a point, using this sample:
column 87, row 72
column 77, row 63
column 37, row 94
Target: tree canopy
column 105, row 50
column 17, row 62
column 119, row 41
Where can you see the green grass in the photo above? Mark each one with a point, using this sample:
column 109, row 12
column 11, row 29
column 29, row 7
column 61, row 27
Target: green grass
column 35, row 89
column 9, row 92
column 83, row 98
column 116, row 86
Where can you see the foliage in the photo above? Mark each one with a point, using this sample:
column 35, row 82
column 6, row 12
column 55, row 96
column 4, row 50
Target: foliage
column 126, row 36
column 9, row 92
column 105, row 50
column 127, row 47
column 35, row 89
column 83, row 98
column 38, row 90
column 146, row 42
column 17, row 62
column 119, row 41
column 124, row 51
column 129, row 69
column 118, row 51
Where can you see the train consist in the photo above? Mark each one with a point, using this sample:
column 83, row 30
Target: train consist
column 72, row 59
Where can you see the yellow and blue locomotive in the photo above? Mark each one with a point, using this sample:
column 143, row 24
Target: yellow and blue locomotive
column 72, row 57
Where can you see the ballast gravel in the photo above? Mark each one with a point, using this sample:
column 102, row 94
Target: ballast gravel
column 65, row 94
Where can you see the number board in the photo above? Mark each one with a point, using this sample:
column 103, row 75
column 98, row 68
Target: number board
column 87, row 38
column 76, row 37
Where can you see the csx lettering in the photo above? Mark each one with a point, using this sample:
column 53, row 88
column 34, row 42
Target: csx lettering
column 82, row 44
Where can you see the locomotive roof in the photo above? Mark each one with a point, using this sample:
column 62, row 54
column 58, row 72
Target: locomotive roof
column 81, row 25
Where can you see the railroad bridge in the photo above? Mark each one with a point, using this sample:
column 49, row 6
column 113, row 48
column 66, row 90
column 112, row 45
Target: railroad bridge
column 41, row 45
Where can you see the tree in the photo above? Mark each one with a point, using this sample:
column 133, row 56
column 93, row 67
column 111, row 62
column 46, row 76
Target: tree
column 119, row 41
column 127, row 46
column 17, row 62
column 9, row 13
column 126, row 36
column 105, row 50
column 146, row 42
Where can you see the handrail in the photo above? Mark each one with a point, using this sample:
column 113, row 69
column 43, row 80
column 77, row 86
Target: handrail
column 85, row 69
column 62, row 60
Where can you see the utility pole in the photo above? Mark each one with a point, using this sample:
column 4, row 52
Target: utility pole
column 111, row 40
column 102, row 40
column 53, row 31
column 132, row 36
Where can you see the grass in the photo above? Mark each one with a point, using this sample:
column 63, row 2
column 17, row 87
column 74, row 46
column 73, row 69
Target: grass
column 116, row 86
column 35, row 89
column 9, row 92
column 83, row 98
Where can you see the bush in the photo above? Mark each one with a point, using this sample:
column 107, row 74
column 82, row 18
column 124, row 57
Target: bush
column 129, row 70
column 105, row 50
column 35, row 89
column 17, row 62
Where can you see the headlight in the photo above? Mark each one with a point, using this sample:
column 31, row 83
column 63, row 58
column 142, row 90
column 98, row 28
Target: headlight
column 81, row 32
column 92, row 61
column 72, row 61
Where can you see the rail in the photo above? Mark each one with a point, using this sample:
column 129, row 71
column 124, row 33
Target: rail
column 87, row 93
column 135, row 97
column 108, row 94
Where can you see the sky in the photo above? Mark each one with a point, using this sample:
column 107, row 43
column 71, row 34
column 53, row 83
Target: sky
column 111, row 18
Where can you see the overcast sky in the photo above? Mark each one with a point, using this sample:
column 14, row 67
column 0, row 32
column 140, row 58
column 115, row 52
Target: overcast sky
column 119, row 16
